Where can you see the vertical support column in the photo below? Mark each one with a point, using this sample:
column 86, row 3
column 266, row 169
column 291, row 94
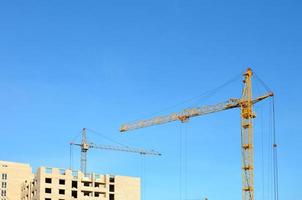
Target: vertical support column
column 247, row 138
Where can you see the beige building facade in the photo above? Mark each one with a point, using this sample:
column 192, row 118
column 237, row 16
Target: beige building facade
column 12, row 176
column 64, row 184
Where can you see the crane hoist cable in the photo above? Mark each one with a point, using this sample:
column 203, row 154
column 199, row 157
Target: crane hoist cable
column 183, row 161
column 274, row 142
column 260, row 110
column 70, row 157
column 269, row 156
column 275, row 153
column 180, row 162
column 143, row 178
column 262, row 151
column 186, row 161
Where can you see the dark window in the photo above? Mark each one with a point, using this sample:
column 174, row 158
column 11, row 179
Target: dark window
column 47, row 198
column 97, row 184
column 111, row 188
column 74, row 184
column 47, row 180
column 111, row 196
column 111, row 179
column 62, row 182
column 74, row 194
column 86, row 184
column 61, row 191
column 86, row 193
column 3, row 193
column 48, row 190
column 4, row 176
column 4, row 184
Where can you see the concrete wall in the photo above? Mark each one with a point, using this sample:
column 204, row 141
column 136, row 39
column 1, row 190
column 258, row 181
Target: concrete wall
column 127, row 188
column 49, row 182
column 17, row 174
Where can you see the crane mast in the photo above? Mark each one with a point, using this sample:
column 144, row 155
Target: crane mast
column 85, row 146
column 245, row 103
column 247, row 138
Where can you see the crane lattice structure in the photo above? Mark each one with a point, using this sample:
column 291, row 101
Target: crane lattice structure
column 85, row 146
column 245, row 104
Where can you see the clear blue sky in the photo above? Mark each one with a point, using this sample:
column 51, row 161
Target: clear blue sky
column 65, row 65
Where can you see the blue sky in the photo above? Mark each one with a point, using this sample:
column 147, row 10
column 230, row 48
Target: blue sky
column 65, row 65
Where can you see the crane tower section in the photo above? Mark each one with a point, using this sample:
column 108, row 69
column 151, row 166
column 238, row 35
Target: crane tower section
column 247, row 138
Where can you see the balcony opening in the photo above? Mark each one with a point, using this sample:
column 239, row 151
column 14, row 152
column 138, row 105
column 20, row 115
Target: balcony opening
column 86, row 193
column 86, row 184
column 74, row 194
column 111, row 188
column 111, row 197
column 74, row 184
column 112, row 179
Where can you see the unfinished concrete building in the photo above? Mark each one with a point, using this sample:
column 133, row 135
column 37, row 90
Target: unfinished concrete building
column 64, row 184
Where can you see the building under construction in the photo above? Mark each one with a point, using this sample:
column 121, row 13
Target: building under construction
column 18, row 182
column 66, row 184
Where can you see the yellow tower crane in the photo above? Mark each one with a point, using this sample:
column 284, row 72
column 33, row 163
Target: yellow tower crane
column 245, row 103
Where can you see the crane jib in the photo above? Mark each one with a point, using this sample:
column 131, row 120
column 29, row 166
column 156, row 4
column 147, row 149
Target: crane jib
column 184, row 115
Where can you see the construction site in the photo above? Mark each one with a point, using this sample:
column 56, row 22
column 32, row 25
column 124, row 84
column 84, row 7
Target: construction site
column 150, row 100
column 62, row 184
